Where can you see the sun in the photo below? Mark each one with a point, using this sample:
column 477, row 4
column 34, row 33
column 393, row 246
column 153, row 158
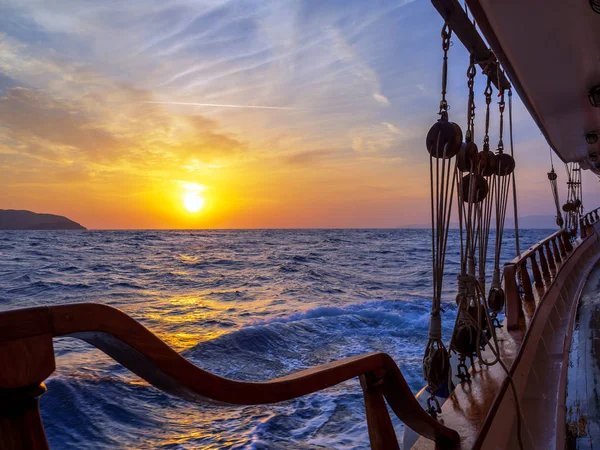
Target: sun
column 193, row 202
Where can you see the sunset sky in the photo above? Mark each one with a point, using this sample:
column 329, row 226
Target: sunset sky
column 106, row 116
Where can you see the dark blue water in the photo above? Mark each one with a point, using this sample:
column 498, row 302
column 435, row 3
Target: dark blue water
column 249, row 305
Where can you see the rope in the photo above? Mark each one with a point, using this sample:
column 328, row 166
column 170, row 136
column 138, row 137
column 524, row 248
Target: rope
column 485, row 209
column 476, row 192
column 495, row 349
column 435, row 327
column 573, row 207
column 514, row 183
column 501, row 196
column 501, row 204
column 436, row 364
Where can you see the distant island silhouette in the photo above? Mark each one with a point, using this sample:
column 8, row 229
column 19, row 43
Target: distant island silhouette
column 12, row 219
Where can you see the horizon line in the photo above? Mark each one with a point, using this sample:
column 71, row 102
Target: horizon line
column 268, row 228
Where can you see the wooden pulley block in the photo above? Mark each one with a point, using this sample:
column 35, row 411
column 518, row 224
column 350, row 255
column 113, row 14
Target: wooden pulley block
column 496, row 299
column 436, row 366
column 444, row 139
column 568, row 207
column 552, row 176
column 576, row 203
column 465, row 339
column 466, row 159
column 473, row 313
column 486, row 163
column 480, row 189
column 505, row 164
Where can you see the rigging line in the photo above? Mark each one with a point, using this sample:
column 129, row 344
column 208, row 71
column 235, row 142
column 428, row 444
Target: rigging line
column 433, row 260
column 461, row 213
column 491, row 179
column 514, row 183
column 448, row 221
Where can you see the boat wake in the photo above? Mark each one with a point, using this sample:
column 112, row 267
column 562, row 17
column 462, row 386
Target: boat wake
column 93, row 405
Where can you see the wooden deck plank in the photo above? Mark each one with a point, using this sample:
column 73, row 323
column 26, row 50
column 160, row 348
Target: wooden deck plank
column 537, row 359
column 583, row 396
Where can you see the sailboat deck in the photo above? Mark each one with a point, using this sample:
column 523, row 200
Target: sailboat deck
column 536, row 352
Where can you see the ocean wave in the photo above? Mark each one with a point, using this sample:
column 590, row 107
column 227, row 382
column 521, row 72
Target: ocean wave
column 272, row 301
column 31, row 289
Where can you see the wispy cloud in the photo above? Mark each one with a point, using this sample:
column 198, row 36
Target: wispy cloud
column 268, row 100
column 216, row 105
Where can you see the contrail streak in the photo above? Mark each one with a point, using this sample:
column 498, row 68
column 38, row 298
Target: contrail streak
column 222, row 106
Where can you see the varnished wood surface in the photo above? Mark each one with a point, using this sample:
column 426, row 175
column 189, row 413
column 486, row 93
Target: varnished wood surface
column 464, row 29
column 582, row 402
column 21, row 425
column 26, row 361
column 534, row 284
column 381, row 432
column 483, row 410
column 468, row 406
column 138, row 349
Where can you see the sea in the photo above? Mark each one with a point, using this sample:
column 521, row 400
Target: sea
column 245, row 304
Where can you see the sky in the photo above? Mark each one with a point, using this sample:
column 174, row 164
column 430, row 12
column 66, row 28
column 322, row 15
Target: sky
column 270, row 113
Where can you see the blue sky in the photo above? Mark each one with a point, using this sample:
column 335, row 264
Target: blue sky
column 354, row 87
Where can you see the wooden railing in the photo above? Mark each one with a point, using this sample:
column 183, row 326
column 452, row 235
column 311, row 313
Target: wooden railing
column 527, row 277
column 588, row 220
column 27, row 359
column 540, row 316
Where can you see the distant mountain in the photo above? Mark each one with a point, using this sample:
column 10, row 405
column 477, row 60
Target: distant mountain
column 12, row 219
column 543, row 222
column 525, row 222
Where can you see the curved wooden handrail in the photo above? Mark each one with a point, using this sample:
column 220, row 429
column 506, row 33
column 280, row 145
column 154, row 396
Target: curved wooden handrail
column 138, row 349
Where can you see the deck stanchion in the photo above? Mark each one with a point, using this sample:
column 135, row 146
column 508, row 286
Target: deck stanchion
column 544, row 263
column 561, row 245
column 381, row 430
column 535, row 270
column 24, row 365
column 526, row 282
column 556, row 252
column 550, row 257
column 514, row 309
column 566, row 241
column 21, row 425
